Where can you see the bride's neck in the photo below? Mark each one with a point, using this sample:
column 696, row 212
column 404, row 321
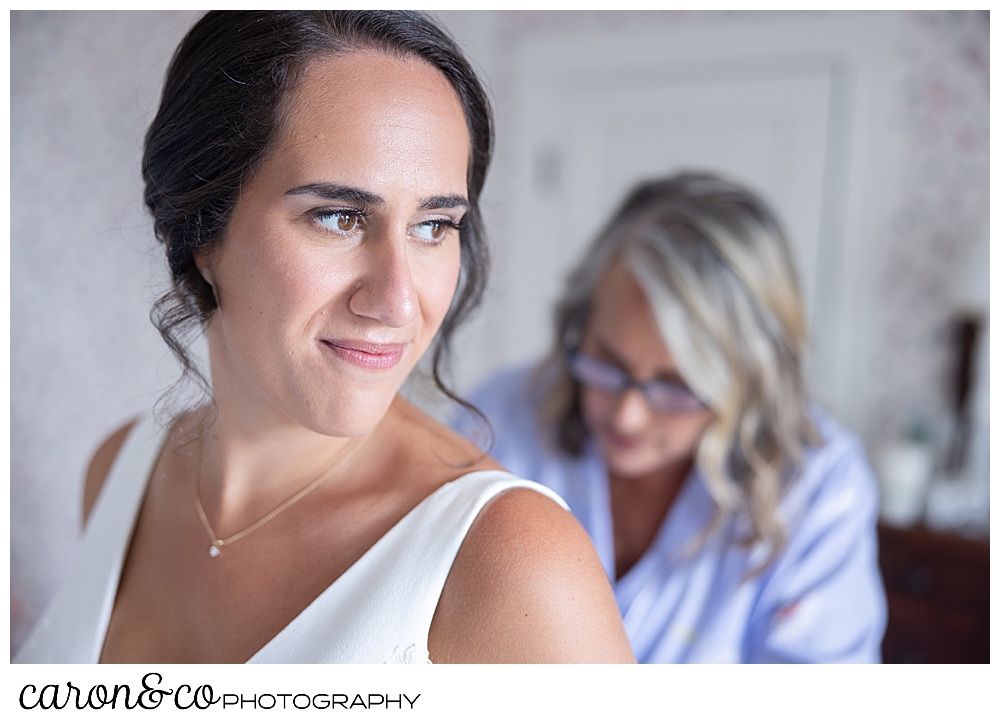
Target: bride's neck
column 251, row 451
column 247, row 464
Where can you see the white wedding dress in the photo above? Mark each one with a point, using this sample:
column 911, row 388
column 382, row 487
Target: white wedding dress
column 378, row 611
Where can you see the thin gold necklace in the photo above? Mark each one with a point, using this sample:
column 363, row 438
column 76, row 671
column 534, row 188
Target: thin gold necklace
column 217, row 543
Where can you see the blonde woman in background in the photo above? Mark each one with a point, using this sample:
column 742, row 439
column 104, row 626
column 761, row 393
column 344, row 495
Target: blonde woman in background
column 735, row 520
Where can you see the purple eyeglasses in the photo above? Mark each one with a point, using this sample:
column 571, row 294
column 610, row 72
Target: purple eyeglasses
column 659, row 395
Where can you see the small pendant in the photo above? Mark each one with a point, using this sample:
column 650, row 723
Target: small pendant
column 213, row 551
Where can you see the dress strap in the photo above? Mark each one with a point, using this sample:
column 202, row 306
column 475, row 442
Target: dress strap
column 73, row 627
column 380, row 610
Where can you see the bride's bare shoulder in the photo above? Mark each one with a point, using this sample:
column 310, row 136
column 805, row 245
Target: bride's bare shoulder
column 100, row 466
column 527, row 587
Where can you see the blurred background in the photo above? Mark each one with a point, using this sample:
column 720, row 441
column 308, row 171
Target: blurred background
column 867, row 131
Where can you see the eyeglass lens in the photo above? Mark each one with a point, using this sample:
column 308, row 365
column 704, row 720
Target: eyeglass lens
column 660, row 395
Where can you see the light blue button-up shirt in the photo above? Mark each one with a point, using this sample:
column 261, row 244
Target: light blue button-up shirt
column 820, row 600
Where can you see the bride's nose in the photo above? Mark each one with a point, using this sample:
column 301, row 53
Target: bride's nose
column 386, row 291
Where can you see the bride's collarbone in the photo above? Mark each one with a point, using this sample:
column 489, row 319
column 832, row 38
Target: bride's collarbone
column 177, row 603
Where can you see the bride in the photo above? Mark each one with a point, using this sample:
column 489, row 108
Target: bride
column 314, row 178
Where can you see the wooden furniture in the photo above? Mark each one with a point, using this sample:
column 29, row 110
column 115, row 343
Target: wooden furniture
column 938, row 591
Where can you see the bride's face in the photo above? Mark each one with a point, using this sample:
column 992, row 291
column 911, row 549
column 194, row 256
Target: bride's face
column 342, row 254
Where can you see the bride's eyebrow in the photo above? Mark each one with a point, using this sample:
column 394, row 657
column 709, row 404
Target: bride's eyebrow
column 338, row 192
column 453, row 201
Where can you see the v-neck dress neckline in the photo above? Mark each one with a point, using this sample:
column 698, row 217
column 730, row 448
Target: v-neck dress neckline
column 378, row 611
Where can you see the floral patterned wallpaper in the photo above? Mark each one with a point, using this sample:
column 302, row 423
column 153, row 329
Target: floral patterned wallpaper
column 939, row 218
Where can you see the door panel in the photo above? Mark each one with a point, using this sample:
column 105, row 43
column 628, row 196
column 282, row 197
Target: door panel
column 590, row 142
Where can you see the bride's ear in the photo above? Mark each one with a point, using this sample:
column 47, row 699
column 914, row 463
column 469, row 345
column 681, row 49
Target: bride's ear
column 201, row 261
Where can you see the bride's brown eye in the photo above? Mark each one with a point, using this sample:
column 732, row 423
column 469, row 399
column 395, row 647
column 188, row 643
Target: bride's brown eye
column 340, row 221
column 434, row 230
column 347, row 222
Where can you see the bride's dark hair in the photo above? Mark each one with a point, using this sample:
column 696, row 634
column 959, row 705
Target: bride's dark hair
column 222, row 108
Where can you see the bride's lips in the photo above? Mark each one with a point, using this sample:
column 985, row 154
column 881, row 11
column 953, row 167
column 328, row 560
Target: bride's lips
column 368, row 355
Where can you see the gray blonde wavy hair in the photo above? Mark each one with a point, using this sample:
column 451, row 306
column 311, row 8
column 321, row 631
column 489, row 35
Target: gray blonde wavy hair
column 719, row 277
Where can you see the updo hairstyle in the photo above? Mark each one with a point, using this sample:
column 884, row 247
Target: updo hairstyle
column 223, row 106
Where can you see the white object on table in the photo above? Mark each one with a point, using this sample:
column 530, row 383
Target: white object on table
column 904, row 473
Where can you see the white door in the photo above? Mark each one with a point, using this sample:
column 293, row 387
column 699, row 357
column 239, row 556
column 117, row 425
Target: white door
column 587, row 138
